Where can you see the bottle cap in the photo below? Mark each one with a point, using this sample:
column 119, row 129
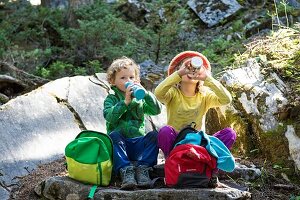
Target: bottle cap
column 196, row 62
column 128, row 84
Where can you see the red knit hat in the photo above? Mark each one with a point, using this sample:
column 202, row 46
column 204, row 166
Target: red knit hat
column 186, row 54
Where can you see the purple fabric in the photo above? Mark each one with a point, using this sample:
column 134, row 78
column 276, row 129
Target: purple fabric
column 227, row 136
column 165, row 139
column 167, row 134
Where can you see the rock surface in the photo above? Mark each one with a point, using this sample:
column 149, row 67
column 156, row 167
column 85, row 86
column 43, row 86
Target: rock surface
column 213, row 12
column 36, row 127
column 259, row 97
column 66, row 188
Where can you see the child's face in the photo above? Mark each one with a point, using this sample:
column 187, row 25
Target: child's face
column 123, row 76
column 187, row 78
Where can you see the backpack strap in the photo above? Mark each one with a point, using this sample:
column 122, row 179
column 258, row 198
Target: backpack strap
column 92, row 192
column 98, row 79
column 152, row 123
column 158, row 182
column 193, row 125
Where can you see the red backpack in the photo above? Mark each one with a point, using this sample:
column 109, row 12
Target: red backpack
column 189, row 166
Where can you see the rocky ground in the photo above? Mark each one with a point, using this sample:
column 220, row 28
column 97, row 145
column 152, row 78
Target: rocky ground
column 271, row 185
column 268, row 186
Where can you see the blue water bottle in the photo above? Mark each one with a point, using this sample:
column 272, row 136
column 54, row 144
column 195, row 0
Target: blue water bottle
column 138, row 92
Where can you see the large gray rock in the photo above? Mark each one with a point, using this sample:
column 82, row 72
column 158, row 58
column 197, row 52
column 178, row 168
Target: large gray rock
column 36, row 127
column 260, row 97
column 212, row 12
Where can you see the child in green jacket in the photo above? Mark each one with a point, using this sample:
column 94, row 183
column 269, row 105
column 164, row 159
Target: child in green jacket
column 125, row 123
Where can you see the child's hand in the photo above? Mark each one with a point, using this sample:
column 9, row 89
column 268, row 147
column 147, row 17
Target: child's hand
column 185, row 68
column 200, row 74
column 128, row 97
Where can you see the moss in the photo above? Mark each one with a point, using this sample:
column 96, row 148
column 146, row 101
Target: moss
column 240, row 124
column 281, row 129
column 242, row 2
column 297, row 129
column 237, row 25
column 251, row 140
column 275, row 148
column 3, row 99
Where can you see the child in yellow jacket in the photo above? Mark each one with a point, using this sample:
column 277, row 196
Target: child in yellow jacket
column 183, row 94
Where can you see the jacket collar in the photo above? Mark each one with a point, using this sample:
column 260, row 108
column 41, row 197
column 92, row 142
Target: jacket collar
column 118, row 92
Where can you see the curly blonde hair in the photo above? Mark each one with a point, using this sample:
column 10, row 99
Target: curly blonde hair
column 122, row 63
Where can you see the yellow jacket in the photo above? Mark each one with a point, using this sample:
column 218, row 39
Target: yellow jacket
column 181, row 109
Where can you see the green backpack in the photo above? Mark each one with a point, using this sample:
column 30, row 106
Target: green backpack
column 90, row 158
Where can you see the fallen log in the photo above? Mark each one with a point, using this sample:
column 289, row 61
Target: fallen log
column 23, row 77
column 14, row 81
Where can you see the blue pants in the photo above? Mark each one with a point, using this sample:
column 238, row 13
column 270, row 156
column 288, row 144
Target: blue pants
column 143, row 150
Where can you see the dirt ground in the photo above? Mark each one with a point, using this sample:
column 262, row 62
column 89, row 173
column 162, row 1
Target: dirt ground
column 266, row 187
column 25, row 189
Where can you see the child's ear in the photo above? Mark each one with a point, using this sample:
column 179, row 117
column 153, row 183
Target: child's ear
column 112, row 82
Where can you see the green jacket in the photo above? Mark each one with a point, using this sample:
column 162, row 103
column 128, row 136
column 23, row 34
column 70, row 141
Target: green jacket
column 129, row 120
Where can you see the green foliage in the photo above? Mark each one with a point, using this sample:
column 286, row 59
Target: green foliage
column 284, row 8
column 4, row 43
column 38, row 36
column 241, row 1
column 60, row 69
column 264, row 174
column 56, row 69
column 35, row 37
column 41, row 41
column 237, row 25
column 31, row 25
column 101, row 32
column 293, row 197
column 27, row 35
column 170, row 21
column 221, row 52
column 280, row 52
column 80, row 71
column 262, row 181
column 38, row 39
column 291, row 71
column 95, row 65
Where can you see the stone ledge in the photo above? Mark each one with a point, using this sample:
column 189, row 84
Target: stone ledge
column 66, row 188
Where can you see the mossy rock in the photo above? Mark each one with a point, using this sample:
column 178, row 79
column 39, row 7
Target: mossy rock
column 252, row 141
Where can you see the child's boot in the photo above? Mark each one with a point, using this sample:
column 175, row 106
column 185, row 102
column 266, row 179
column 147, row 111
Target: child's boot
column 127, row 176
column 142, row 176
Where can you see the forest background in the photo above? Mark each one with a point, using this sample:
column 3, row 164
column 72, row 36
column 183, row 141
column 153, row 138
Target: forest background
column 51, row 43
